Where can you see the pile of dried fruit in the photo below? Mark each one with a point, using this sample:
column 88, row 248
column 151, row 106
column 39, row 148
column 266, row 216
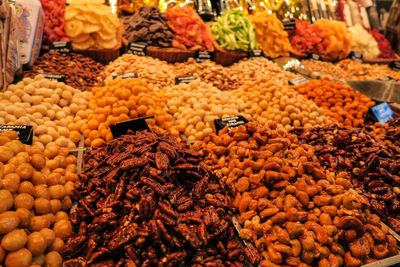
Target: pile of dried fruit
column 264, row 100
column 190, row 30
column 347, row 106
column 79, row 71
column 373, row 165
column 307, row 39
column 54, row 23
column 154, row 71
column 34, row 201
column 233, row 31
column 147, row 200
column 271, row 37
column 52, row 108
column 121, row 100
column 91, row 24
column 363, row 42
column 148, row 26
column 337, row 39
column 294, row 212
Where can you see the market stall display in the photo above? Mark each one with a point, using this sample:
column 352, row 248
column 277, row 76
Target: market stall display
column 35, row 200
column 270, row 36
column 51, row 107
column 78, row 71
column 264, row 100
column 341, row 102
column 290, row 208
column 160, row 206
column 54, row 23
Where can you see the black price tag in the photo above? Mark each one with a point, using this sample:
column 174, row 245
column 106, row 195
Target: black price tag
column 387, row 79
column 395, row 65
column 135, row 125
column 137, row 49
column 55, row 77
column 25, row 132
column 184, row 79
column 256, row 53
column 61, row 47
column 129, row 75
column 231, row 122
column 356, row 56
column 299, row 80
column 315, row 57
column 289, row 25
column 382, row 113
column 202, row 56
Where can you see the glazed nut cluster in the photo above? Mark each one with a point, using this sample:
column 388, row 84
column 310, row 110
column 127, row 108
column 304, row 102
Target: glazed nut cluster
column 35, row 185
column 291, row 209
column 51, row 107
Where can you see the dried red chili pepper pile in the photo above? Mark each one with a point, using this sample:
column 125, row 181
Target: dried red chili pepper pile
column 375, row 164
column 54, row 22
column 148, row 200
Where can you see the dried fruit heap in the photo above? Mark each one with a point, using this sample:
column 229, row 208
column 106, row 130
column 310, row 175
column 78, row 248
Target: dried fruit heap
column 147, row 199
column 291, row 209
column 54, row 24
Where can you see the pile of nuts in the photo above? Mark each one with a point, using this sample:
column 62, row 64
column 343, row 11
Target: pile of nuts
column 34, row 201
column 154, row 71
column 51, row 107
column 121, row 100
column 294, row 212
column 372, row 164
column 234, row 76
column 79, row 71
column 341, row 102
column 195, row 106
column 145, row 199
column 326, row 69
column 266, row 101
column 362, row 71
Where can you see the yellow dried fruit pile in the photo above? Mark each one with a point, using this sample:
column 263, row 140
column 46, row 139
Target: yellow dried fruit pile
column 270, row 34
column 91, row 24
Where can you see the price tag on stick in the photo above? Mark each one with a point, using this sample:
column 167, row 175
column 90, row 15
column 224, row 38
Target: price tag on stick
column 256, row 53
column 25, row 132
column 395, row 65
column 129, row 75
column 382, row 113
column 356, row 56
column 231, row 122
column 184, row 79
column 202, row 56
column 135, row 125
column 289, row 25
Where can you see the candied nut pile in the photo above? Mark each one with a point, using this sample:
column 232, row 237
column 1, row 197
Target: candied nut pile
column 147, row 200
column 327, row 69
column 362, row 71
column 341, row 102
column 154, row 71
column 34, row 200
column 372, row 164
column 79, row 71
column 294, row 212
